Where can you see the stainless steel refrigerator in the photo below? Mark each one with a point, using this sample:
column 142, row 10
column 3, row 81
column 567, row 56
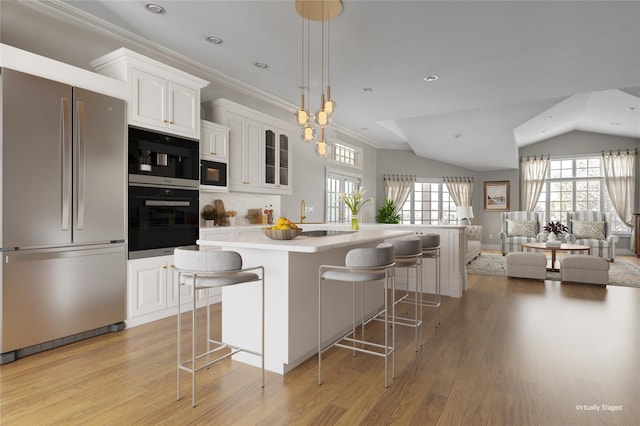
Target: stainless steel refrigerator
column 63, row 195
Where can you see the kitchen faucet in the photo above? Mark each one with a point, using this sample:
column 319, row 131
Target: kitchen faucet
column 303, row 208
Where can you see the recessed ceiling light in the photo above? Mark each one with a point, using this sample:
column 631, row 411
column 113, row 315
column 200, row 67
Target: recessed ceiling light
column 155, row 8
column 615, row 123
column 546, row 130
column 367, row 90
column 261, row 65
column 364, row 128
column 548, row 117
column 214, row 40
column 630, row 108
column 430, row 78
column 456, row 135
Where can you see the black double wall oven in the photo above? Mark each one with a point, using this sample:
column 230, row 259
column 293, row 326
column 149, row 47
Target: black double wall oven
column 164, row 176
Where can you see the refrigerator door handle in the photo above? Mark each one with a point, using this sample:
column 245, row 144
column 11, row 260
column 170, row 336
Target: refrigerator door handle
column 65, row 160
column 80, row 144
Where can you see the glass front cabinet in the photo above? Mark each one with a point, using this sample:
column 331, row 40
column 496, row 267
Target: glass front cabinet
column 277, row 159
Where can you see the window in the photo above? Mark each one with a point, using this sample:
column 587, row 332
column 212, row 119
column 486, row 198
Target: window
column 344, row 154
column 428, row 204
column 337, row 183
column 576, row 184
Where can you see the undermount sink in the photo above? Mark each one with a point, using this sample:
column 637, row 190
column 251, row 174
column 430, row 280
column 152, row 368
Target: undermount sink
column 324, row 233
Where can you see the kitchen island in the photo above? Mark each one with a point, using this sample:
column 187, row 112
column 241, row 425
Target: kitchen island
column 291, row 294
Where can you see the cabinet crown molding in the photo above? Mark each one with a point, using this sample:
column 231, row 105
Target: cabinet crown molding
column 125, row 57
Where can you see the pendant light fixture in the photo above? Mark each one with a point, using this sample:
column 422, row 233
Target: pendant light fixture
column 302, row 115
column 316, row 10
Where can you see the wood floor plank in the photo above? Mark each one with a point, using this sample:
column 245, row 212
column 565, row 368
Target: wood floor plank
column 510, row 351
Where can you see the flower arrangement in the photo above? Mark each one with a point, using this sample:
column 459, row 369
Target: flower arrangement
column 555, row 227
column 355, row 200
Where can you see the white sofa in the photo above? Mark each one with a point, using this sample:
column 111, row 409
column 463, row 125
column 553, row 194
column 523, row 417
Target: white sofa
column 473, row 237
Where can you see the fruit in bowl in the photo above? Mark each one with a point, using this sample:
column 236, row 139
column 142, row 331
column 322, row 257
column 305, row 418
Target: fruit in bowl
column 283, row 229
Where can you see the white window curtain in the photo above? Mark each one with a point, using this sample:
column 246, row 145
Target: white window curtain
column 620, row 180
column 398, row 188
column 460, row 189
column 533, row 172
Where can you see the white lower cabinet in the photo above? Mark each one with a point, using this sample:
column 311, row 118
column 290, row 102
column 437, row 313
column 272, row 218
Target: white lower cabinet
column 152, row 290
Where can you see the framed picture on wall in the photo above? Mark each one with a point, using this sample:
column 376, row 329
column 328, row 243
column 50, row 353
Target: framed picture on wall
column 496, row 196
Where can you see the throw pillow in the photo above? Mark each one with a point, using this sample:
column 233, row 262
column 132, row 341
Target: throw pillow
column 584, row 229
column 521, row 228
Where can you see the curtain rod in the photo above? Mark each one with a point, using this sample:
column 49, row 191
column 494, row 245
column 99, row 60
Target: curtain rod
column 634, row 151
column 458, row 178
column 535, row 158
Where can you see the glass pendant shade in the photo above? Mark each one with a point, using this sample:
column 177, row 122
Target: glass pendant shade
column 322, row 148
column 308, row 133
column 322, row 118
column 329, row 105
column 302, row 116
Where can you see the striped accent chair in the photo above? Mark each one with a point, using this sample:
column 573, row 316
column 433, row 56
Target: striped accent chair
column 590, row 228
column 518, row 227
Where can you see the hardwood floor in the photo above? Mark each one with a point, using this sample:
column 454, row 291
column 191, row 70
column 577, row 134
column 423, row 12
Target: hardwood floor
column 510, row 351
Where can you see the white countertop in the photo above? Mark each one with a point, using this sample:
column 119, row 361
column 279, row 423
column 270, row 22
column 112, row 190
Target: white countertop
column 307, row 244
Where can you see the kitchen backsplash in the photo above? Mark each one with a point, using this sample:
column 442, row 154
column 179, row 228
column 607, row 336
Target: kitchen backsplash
column 241, row 203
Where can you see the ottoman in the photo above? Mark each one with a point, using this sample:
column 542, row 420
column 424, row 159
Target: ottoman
column 580, row 268
column 527, row 265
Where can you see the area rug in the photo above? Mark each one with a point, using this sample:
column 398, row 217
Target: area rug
column 621, row 272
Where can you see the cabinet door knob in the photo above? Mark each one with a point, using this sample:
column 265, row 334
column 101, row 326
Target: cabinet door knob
column 173, row 266
column 164, row 121
column 171, row 122
column 212, row 153
column 164, row 266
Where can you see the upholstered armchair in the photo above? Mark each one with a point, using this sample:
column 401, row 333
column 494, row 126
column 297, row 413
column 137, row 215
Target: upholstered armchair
column 518, row 227
column 592, row 229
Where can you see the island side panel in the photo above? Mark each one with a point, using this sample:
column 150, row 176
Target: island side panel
column 241, row 309
column 337, row 302
column 291, row 306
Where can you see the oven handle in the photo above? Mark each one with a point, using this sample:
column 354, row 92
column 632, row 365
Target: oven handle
column 160, row 203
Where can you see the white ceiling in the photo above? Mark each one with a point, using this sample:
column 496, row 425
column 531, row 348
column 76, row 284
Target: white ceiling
column 511, row 73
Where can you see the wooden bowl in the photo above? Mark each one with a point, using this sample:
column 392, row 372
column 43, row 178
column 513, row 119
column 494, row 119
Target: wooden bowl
column 282, row 234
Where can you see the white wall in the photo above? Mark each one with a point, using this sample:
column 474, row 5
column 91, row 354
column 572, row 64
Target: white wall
column 77, row 44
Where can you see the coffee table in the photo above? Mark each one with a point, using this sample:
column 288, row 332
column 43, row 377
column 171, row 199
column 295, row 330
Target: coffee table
column 554, row 250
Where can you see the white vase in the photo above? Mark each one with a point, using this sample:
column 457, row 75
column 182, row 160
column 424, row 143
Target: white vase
column 232, row 220
column 552, row 237
column 209, row 223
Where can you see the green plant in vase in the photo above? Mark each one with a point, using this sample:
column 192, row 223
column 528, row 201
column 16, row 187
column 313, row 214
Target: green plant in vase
column 388, row 213
column 354, row 201
column 209, row 214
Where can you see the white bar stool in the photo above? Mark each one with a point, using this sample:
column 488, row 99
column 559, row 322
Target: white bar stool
column 431, row 250
column 408, row 255
column 204, row 270
column 362, row 265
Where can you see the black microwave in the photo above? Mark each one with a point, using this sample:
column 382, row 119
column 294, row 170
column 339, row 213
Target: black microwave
column 213, row 173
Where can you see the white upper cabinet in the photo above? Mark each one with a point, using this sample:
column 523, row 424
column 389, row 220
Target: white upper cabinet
column 161, row 97
column 277, row 156
column 214, row 141
column 259, row 149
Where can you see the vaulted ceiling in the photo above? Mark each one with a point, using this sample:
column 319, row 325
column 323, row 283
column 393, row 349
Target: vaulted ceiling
column 510, row 73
